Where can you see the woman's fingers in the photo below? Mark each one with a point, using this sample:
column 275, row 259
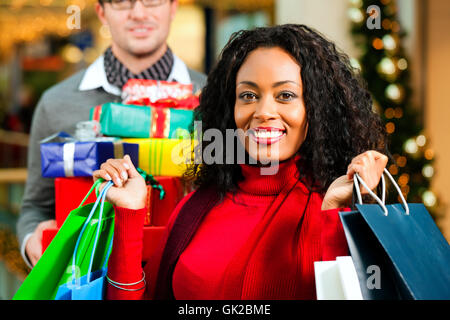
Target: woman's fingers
column 369, row 166
column 117, row 170
column 101, row 174
column 112, row 173
column 360, row 170
column 130, row 166
column 129, row 189
column 370, row 159
column 118, row 164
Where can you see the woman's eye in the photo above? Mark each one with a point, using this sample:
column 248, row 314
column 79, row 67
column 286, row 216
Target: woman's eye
column 247, row 96
column 286, row 96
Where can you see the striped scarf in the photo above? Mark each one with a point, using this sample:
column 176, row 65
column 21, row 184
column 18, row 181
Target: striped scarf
column 118, row 74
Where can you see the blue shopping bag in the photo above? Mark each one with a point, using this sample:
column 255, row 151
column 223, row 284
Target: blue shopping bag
column 402, row 244
column 85, row 289
column 92, row 285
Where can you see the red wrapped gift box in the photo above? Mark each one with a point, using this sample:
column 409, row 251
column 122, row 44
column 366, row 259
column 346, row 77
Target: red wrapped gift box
column 47, row 237
column 70, row 191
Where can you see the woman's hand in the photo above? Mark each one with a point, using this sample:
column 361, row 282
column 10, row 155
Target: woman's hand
column 129, row 190
column 369, row 165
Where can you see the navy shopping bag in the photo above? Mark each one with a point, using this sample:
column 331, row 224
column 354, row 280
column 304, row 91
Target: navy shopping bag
column 92, row 285
column 398, row 251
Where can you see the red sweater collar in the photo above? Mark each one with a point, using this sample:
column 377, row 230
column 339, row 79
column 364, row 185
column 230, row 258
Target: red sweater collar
column 258, row 182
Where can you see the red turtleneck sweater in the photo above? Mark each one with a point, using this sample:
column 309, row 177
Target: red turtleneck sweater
column 217, row 246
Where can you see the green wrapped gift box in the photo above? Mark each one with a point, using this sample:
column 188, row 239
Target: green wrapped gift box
column 132, row 121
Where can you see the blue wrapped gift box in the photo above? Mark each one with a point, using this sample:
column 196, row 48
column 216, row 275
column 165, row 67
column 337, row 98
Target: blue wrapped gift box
column 63, row 156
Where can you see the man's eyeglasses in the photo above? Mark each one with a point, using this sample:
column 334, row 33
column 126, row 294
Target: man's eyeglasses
column 128, row 4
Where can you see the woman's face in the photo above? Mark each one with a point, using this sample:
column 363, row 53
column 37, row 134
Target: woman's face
column 269, row 105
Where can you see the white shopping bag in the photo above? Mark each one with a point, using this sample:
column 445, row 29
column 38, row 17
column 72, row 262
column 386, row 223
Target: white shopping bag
column 337, row 280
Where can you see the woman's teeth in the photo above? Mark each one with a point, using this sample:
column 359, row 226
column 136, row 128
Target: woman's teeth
column 267, row 134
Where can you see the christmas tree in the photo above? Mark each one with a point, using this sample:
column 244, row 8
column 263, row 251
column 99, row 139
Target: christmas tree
column 384, row 65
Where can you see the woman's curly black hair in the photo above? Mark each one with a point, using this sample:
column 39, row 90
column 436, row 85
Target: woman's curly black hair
column 338, row 106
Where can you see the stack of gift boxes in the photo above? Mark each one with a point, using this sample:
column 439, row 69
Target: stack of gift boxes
column 153, row 126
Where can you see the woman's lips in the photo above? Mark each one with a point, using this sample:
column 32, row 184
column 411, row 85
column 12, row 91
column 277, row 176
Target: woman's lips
column 266, row 135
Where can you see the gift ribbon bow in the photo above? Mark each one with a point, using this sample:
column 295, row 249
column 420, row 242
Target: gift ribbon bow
column 150, row 180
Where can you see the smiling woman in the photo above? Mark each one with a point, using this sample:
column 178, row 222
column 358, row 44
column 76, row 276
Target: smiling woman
column 245, row 234
column 269, row 105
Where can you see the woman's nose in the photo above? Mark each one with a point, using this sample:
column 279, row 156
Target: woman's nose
column 266, row 109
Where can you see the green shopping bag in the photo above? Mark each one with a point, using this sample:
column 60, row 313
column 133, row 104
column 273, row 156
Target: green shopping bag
column 92, row 285
column 55, row 266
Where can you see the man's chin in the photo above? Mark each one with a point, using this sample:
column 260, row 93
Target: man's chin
column 142, row 52
column 141, row 46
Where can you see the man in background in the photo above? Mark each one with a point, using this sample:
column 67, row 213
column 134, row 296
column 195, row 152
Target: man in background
column 139, row 31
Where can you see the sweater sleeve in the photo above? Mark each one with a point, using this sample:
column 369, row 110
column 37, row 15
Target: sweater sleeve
column 125, row 261
column 38, row 200
column 124, row 265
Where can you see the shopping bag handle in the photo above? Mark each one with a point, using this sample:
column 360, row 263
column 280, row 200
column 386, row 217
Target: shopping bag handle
column 358, row 193
column 149, row 179
column 381, row 202
column 95, row 187
column 99, row 224
column 88, row 219
column 101, row 199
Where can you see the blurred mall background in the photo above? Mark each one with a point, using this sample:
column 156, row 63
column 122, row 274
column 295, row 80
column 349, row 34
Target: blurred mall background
column 37, row 49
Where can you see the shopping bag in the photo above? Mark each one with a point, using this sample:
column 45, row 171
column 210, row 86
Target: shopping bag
column 398, row 251
column 90, row 286
column 337, row 280
column 45, row 277
column 375, row 270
